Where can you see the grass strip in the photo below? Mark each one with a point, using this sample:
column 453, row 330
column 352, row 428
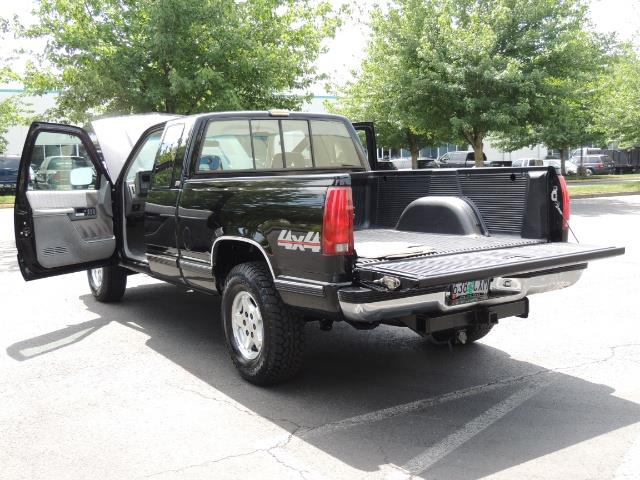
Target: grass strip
column 628, row 187
column 7, row 199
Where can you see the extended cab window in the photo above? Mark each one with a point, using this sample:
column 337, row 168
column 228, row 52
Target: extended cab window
column 163, row 168
column 227, row 146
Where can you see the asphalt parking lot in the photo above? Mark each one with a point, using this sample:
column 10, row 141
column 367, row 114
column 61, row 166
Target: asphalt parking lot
column 144, row 388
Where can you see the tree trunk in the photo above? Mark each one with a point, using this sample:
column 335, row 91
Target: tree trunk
column 415, row 153
column 563, row 156
column 414, row 148
column 478, row 149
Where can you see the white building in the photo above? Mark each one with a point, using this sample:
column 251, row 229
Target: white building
column 36, row 105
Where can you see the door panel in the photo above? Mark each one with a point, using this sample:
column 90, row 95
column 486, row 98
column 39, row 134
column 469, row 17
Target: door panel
column 67, row 231
column 63, row 215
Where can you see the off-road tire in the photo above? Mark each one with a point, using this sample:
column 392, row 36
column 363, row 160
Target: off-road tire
column 112, row 287
column 474, row 332
column 281, row 355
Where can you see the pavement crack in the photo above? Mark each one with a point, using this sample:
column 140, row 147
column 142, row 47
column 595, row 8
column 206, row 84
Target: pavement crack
column 231, row 403
column 205, row 463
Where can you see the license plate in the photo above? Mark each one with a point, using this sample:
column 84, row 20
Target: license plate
column 468, row 291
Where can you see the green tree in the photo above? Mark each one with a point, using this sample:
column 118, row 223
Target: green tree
column 473, row 68
column 178, row 56
column 11, row 108
column 374, row 96
column 616, row 108
column 569, row 119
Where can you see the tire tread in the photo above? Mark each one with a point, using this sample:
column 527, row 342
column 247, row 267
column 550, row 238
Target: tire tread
column 285, row 355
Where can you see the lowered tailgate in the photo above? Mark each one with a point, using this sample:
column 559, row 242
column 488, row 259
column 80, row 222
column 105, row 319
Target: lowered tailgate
column 431, row 271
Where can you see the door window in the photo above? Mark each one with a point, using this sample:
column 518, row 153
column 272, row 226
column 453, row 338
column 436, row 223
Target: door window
column 145, row 156
column 166, row 156
column 59, row 161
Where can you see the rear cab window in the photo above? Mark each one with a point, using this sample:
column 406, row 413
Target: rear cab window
column 267, row 144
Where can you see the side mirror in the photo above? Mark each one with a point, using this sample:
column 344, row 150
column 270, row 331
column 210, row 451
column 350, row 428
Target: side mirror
column 143, row 183
column 81, row 177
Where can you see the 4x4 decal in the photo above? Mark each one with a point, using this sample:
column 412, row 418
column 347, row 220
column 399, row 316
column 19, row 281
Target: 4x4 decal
column 305, row 241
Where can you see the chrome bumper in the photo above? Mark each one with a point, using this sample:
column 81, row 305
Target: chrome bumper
column 501, row 290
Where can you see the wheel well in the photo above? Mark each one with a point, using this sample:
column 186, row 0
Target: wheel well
column 230, row 253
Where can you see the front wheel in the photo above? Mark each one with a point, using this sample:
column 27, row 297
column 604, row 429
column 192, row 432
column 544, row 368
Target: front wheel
column 107, row 283
column 264, row 338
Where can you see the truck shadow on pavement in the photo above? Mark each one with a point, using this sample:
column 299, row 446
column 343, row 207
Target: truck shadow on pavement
column 379, row 381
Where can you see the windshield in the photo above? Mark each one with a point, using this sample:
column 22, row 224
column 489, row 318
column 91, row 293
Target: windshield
column 10, row 163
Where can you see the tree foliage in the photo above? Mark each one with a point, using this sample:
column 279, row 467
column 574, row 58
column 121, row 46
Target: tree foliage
column 375, row 96
column 471, row 68
column 569, row 118
column 11, row 108
column 616, row 109
column 178, row 56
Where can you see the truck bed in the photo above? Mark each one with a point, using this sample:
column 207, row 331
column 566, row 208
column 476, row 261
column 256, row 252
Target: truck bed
column 379, row 243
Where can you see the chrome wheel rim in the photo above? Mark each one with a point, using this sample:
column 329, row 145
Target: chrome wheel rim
column 246, row 323
column 96, row 277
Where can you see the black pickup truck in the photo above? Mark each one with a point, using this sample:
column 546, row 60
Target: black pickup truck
column 285, row 216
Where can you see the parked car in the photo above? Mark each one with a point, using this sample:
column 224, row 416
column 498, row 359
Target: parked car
column 428, row 162
column 446, row 253
column 459, row 159
column 528, row 162
column 401, row 163
column 594, row 164
column 385, row 164
column 54, row 172
column 8, row 173
column 569, row 167
column 576, row 152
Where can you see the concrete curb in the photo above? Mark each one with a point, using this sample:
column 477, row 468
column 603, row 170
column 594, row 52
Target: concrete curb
column 6, row 205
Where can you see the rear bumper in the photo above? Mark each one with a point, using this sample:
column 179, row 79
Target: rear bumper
column 360, row 304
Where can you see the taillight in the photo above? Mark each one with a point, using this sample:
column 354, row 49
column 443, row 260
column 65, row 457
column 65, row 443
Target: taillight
column 566, row 202
column 337, row 224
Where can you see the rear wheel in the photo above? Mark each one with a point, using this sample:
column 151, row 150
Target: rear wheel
column 471, row 334
column 107, row 283
column 264, row 337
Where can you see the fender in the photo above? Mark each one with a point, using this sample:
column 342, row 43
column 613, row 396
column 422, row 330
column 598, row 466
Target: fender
column 219, row 240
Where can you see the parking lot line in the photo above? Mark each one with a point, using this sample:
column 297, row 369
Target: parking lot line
column 386, row 413
column 441, row 449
